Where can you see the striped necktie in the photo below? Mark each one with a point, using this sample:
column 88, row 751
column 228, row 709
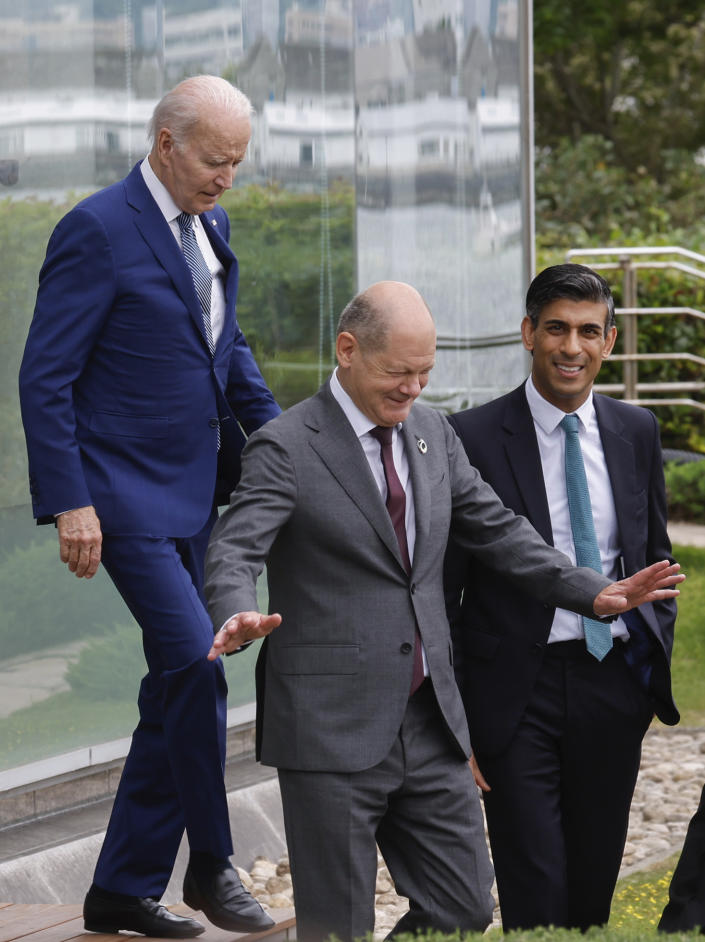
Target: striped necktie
column 202, row 278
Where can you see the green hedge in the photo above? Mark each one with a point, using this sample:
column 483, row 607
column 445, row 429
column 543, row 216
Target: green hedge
column 685, row 487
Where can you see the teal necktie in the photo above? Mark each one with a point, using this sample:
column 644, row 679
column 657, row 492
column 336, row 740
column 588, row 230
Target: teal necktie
column 598, row 636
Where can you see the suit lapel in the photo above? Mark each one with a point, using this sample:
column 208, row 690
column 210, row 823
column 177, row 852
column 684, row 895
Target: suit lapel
column 621, row 466
column 155, row 231
column 419, row 465
column 522, row 451
column 338, row 447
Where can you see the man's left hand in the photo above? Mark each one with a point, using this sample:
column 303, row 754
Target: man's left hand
column 648, row 585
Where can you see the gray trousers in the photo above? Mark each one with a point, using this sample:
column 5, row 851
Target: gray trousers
column 420, row 805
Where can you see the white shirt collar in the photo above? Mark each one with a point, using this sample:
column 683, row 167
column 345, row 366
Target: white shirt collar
column 162, row 197
column 359, row 421
column 548, row 416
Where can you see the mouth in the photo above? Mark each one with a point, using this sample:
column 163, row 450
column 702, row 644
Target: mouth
column 569, row 370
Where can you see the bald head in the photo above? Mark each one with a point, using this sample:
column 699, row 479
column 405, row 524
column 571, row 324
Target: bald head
column 386, row 349
column 383, row 309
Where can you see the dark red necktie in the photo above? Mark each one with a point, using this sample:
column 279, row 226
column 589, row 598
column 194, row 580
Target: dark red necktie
column 396, row 505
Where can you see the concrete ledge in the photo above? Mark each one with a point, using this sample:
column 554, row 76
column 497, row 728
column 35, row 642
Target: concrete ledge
column 63, row 873
column 91, row 774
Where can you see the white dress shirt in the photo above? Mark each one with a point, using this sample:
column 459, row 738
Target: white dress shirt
column 171, row 212
column 551, row 440
column 370, row 445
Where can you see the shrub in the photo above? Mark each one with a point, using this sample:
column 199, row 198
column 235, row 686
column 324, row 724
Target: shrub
column 685, row 488
column 44, row 605
column 110, row 668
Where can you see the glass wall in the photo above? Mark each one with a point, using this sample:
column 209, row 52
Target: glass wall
column 390, row 141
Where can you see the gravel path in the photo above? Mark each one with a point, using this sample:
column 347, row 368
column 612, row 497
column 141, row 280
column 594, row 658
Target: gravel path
column 667, row 793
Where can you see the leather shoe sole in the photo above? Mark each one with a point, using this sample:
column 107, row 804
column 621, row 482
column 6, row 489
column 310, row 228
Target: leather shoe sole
column 109, row 913
column 224, row 901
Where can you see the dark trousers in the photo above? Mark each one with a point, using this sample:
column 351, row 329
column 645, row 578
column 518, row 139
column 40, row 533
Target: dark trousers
column 173, row 775
column 420, row 806
column 558, row 808
column 685, row 909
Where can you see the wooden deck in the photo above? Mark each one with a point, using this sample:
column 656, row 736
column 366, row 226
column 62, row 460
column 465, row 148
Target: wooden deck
column 61, row 922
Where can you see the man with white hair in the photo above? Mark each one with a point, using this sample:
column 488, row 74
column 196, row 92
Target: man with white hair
column 136, row 386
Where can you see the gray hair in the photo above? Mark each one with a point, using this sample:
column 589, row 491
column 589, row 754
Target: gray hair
column 367, row 324
column 181, row 109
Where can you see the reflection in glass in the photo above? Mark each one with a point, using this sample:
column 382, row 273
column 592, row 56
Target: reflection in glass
column 386, row 144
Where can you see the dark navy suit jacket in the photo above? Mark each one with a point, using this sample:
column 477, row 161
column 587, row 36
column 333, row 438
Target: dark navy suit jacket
column 120, row 396
column 500, row 632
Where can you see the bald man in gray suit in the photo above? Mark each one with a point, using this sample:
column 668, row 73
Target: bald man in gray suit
column 365, row 753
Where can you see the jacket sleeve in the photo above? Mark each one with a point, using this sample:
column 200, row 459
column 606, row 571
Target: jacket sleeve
column 76, row 290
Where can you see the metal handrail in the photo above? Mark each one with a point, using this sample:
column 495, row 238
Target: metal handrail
column 630, row 388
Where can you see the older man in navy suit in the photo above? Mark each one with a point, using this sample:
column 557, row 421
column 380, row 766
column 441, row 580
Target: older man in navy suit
column 556, row 725
column 136, row 386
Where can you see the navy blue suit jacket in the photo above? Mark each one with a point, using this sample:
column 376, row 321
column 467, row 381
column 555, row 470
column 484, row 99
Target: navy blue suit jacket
column 499, row 632
column 120, row 396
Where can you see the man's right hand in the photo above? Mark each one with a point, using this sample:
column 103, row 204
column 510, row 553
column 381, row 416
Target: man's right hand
column 80, row 540
column 480, row 779
column 245, row 626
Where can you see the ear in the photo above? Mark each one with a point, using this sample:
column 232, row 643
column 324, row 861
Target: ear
column 345, row 347
column 609, row 342
column 164, row 144
column 527, row 334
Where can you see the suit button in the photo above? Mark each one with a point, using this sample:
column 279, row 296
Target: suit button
column 214, row 423
column 406, row 648
column 413, row 587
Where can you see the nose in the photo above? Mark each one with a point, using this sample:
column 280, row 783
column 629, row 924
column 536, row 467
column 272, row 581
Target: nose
column 571, row 343
column 412, row 385
column 225, row 177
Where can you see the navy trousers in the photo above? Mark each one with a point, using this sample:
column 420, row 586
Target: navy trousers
column 558, row 808
column 173, row 775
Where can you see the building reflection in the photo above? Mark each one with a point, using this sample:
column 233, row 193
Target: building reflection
column 387, row 143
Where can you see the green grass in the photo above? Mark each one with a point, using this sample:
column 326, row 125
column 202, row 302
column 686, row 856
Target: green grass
column 688, row 663
column 639, row 899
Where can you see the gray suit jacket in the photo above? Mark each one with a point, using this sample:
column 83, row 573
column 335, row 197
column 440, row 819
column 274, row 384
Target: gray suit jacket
column 334, row 678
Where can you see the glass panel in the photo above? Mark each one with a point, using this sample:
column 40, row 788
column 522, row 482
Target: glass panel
column 385, row 145
column 438, row 188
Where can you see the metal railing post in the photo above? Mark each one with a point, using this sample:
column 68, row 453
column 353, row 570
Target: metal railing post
column 629, row 300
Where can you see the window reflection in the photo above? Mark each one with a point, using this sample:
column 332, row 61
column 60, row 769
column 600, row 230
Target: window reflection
column 386, row 144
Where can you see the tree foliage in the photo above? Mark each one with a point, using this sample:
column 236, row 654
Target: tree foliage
column 630, row 72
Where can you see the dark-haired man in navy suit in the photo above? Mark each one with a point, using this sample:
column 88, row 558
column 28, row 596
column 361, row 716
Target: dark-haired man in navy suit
column 136, row 386
column 557, row 733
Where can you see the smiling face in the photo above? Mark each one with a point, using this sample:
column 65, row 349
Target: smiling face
column 198, row 171
column 384, row 382
column 568, row 346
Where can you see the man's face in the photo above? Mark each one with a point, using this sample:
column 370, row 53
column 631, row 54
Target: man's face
column 568, row 347
column 197, row 172
column 384, row 383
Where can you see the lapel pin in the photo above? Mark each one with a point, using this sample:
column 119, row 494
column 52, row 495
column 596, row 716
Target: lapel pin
column 421, row 445
column 214, row 222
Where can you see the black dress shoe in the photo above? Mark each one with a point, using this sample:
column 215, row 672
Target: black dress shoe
column 225, row 902
column 110, row 912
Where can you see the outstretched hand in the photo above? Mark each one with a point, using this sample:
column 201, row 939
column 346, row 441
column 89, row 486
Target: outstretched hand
column 245, row 626
column 648, row 585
